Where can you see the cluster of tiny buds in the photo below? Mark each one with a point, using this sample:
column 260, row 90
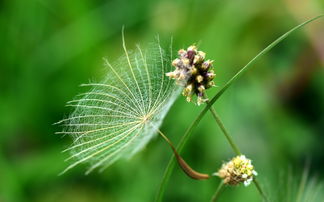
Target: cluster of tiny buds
column 238, row 170
column 193, row 72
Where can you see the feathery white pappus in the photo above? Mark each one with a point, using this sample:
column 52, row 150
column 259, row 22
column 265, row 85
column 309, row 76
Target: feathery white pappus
column 120, row 114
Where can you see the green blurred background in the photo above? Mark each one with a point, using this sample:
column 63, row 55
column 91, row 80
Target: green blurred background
column 275, row 112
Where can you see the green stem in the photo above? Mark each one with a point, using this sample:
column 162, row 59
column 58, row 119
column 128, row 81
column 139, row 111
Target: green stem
column 171, row 164
column 260, row 190
column 217, row 192
column 248, row 65
column 222, row 127
column 233, row 145
column 185, row 137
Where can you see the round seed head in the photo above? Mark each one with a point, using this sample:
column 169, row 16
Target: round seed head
column 238, row 170
column 192, row 69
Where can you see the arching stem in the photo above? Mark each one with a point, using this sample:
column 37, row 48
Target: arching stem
column 184, row 166
column 193, row 125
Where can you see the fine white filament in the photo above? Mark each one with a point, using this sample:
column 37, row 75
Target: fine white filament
column 120, row 114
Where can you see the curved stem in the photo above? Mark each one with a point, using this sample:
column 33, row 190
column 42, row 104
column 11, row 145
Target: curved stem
column 182, row 163
column 171, row 163
column 217, row 192
column 185, row 137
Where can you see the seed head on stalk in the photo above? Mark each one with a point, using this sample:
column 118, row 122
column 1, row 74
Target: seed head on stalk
column 193, row 72
column 237, row 170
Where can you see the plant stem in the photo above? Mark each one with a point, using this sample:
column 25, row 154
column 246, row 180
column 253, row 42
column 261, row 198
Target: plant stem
column 233, row 145
column 182, row 163
column 171, row 164
column 264, row 51
column 185, row 137
column 260, row 190
column 222, row 127
column 217, row 192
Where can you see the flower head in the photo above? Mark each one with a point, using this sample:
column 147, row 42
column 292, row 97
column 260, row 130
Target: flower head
column 193, row 72
column 239, row 169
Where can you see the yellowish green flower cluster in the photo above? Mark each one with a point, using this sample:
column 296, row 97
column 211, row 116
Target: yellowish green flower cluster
column 239, row 169
column 193, row 73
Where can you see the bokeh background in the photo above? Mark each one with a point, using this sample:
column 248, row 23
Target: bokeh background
column 275, row 111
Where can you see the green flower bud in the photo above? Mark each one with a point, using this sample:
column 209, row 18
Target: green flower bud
column 239, row 169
